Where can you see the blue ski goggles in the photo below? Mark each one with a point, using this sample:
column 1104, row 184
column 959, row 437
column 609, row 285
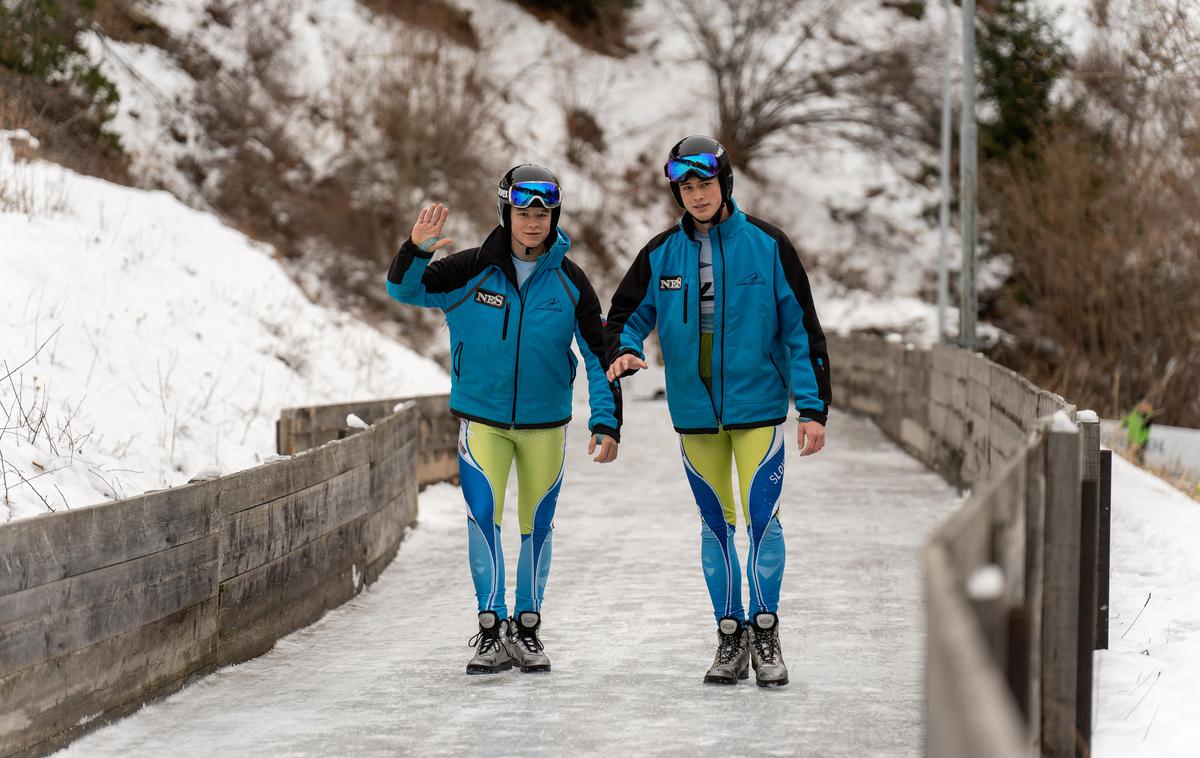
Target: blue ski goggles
column 703, row 165
column 523, row 194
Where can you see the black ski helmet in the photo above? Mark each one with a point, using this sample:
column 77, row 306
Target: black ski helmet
column 694, row 145
column 526, row 172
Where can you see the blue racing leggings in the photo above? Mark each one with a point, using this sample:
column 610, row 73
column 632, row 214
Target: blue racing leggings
column 758, row 455
column 485, row 456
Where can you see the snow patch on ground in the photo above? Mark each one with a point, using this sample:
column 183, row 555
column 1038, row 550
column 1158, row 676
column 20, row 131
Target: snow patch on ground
column 1147, row 684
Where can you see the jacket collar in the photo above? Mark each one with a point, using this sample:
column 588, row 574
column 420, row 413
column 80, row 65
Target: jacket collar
column 497, row 250
column 728, row 228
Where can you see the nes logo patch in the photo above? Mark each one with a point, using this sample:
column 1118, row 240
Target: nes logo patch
column 494, row 299
column 670, row 282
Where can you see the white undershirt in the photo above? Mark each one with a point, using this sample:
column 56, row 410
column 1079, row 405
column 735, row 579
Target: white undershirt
column 524, row 269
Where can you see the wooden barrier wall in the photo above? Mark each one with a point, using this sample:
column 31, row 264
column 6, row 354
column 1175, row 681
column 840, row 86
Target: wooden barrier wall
column 957, row 411
column 1008, row 628
column 309, row 426
column 104, row 608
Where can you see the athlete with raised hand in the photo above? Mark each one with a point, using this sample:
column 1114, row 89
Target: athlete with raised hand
column 738, row 331
column 513, row 305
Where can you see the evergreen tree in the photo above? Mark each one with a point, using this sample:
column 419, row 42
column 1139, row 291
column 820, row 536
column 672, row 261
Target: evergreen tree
column 39, row 39
column 1020, row 59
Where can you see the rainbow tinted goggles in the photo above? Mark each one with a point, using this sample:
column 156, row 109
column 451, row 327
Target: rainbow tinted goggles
column 703, row 165
column 523, row 194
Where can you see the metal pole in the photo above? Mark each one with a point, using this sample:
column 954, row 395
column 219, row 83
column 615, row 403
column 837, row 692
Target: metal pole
column 967, row 167
column 944, row 211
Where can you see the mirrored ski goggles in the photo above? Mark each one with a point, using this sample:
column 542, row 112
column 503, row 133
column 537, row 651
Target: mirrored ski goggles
column 522, row 194
column 703, row 165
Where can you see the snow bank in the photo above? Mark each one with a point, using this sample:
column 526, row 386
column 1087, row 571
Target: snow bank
column 1148, row 683
column 156, row 343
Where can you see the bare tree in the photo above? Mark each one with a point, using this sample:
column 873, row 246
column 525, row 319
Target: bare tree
column 1103, row 221
column 783, row 68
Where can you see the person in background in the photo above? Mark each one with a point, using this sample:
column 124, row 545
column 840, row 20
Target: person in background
column 1137, row 430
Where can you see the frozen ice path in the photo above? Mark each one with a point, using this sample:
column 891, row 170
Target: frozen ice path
column 628, row 627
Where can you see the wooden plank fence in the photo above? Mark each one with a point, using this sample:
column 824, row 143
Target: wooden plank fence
column 1016, row 580
column 105, row 608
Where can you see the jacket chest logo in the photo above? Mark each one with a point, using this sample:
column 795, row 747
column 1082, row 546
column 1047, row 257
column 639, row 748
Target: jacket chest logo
column 494, row 299
column 553, row 304
column 755, row 278
column 670, row 282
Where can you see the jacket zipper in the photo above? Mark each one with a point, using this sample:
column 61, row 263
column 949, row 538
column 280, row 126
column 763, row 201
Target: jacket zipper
column 685, row 303
column 517, row 363
column 504, row 330
column 721, row 245
column 520, row 321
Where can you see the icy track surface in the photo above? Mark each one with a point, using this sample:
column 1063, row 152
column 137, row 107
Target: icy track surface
column 627, row 625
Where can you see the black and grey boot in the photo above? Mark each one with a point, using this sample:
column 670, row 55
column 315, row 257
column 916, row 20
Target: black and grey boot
column 769, row 668
column 491, row 655
column 523, row 644
column 733, row 653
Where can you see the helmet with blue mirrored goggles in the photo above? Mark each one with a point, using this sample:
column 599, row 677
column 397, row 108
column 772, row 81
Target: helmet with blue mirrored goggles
column 703, row 165
column 524, row 194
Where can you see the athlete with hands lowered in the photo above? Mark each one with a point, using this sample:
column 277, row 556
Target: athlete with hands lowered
column 739, row 333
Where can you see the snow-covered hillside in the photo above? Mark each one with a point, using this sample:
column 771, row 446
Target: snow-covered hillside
column 147, row 341
column 144, row 342
column 860, row 216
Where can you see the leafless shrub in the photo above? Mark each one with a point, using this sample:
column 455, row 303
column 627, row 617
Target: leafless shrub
column 1104, row 237
column 249, row 179
column 584, row 134
column 435, row 138
column 268, row 31
column 581, row 98
column 21, row 191
column 23, row 188
column 26, row 420
column 128, row 21
column 1103, row 223
column 67, row 132
column 435, row 15
column 590, row 241
column 771, row 88
column 599, row 25
column 1141, row 76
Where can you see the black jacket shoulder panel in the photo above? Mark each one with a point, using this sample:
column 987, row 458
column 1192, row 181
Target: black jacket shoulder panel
column 772, row 231
column 658, row 240
column 575, row 273
column 631, row 291
column 590, row 321
column 797, row 280
column 455, row 270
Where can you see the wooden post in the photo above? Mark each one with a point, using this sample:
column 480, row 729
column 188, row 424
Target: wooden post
column 1102, row 552
column 1060, row 599
column 1017, row 659
column 1089, row 427
column 1035, row 572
